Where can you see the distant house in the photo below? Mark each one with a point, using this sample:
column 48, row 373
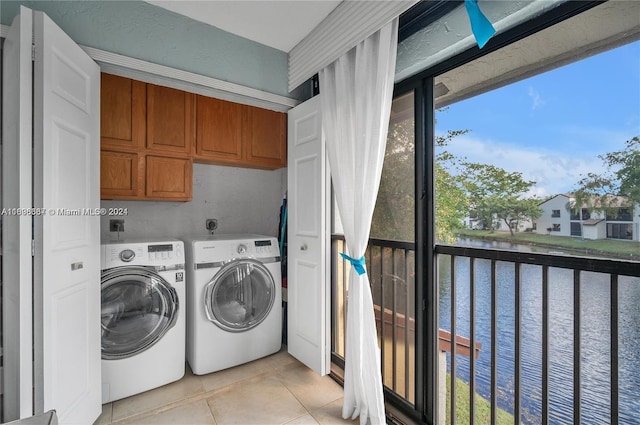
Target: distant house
column 516, row 226
column 560, row 219
column 473, row 222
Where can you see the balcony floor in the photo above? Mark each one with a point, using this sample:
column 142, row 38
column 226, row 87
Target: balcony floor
column 273, row 390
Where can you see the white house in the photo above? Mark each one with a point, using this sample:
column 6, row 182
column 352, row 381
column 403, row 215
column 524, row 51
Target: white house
column 560, row 219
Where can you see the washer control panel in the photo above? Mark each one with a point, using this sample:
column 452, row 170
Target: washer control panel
column 160, row 253
column 163, row 252
column 265, row 246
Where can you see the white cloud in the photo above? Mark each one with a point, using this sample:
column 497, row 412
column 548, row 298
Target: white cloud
column 536, row 99
column 553, row 171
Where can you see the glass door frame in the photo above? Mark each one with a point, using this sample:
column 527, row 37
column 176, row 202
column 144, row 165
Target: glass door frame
column 425, row 409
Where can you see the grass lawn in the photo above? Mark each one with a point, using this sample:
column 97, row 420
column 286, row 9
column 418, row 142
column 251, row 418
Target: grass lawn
column 483, row 407
column 618, row 248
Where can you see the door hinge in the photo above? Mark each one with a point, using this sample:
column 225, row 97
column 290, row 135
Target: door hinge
column 33, row 53
column 33, row 248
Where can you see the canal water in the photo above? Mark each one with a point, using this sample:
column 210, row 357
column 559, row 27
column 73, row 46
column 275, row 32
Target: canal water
column 595, row 337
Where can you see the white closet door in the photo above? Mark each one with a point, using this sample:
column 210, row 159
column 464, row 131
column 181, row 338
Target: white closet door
column 308, row 277
column 16, row 229
column 67, row 244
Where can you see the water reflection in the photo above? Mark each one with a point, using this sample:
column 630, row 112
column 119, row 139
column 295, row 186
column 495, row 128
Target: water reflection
column 595, row 337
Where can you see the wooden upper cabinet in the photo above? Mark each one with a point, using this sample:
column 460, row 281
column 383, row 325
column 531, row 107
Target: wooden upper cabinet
column 150, row 136
column 264, row 134
column 218, row 130
column 170, row 120
column 122, row 112
column 169, row 178
column 121, row 174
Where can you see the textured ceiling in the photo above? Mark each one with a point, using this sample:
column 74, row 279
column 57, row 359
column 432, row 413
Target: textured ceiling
column 280, row 24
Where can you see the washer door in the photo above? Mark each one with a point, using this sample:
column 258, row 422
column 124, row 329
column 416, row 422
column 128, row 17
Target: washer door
column 240, row 295
column 138, row 308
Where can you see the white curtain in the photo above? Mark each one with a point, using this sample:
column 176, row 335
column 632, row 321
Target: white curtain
column 357, row 91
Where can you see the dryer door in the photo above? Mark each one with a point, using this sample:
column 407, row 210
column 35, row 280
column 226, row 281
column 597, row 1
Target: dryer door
column 138, row 308
column 240, row 295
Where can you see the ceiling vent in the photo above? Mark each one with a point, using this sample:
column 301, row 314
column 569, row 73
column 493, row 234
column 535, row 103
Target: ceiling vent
column 440, row 90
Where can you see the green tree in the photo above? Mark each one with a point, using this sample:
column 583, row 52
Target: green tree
column 452, row 203
column 619, row 184
column 394, row 214
column 496, row 194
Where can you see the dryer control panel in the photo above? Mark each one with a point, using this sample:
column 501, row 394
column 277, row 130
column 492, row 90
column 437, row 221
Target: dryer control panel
column 229, row 247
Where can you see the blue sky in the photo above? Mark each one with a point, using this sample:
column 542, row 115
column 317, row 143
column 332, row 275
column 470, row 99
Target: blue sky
column 551, row 127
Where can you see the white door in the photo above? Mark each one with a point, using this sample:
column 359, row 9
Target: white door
column 16, row 229
column 308, row 277
column 66, row 278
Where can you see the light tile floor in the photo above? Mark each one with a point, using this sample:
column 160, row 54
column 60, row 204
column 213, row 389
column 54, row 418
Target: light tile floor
column 273, row 390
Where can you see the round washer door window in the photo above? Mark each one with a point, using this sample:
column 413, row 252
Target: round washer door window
column 240, row 295
column 138, row 308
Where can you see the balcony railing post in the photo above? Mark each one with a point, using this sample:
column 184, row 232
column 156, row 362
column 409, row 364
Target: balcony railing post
column 382, row 304
column 407, row 316
column 577, row 396
column 545, row 344
column 614, row 350
column 452, row 378
column 393, row 321
column 472, row 332
column 494, row 345
column 517, row 408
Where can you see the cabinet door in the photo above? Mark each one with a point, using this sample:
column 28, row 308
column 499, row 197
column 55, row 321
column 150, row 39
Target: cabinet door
column 169, row 178
column 121, row 174
column 264, row 137
column 218, row 129
column 170, row 120
column 122, row 112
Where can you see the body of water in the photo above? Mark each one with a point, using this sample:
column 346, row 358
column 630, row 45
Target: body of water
column 595, row 337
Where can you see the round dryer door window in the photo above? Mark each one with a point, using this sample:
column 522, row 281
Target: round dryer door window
column 240, row 295
column 138, row 308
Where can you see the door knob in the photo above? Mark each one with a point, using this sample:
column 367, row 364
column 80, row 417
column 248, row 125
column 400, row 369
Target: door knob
column 303, row 247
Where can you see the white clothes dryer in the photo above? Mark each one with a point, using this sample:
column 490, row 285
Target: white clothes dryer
column 143, row 316
column 234, row 300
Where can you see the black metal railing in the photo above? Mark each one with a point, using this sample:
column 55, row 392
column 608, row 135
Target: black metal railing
column 540, row 320
column 583, row 272
column 390, row 266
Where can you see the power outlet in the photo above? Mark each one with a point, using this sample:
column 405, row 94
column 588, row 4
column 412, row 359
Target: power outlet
column 212, row 224
column 116, row 225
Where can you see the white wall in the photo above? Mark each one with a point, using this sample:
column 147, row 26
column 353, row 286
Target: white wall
column 242, row 200
column 598, row 231
column 558, row 202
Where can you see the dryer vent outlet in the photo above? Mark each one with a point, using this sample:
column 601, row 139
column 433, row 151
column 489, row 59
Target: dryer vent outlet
column 212, row 224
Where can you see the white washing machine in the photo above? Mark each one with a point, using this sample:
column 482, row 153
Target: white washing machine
column 234, row 300
column 143, row 316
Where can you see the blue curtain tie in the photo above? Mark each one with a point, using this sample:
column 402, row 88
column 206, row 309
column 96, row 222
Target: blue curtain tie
column 480, row 25
column 357, row 264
